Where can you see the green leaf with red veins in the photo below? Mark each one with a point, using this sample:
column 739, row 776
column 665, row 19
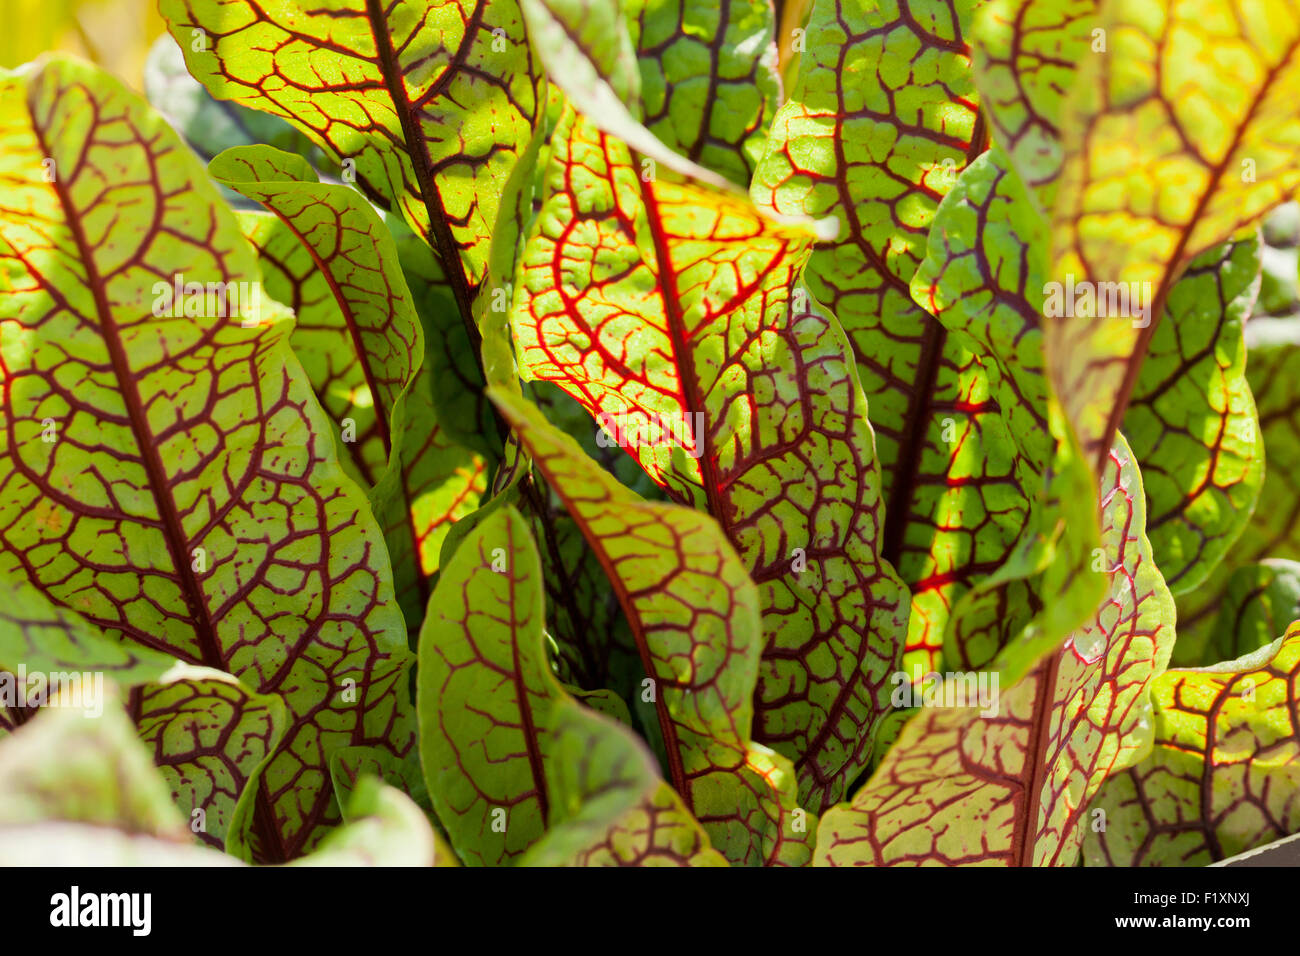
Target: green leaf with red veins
column 195, row 506
column 881, row 122
column 43, row 636
column 588, row 54
column 432, row 102
column 1272, row 369
column 1026, row 55
column 1223, row 775
column 384, row 828
column 694, row 612
column 616, row 810
column 103, row 804
column 1256, row 604
column 211, row 738
column 209, row 126
column 667, row 310
column 709, row 84
column 981, row 273
column 352, row 764
column 209, row 734
column 1169, row 149
column 367, row 306
column 508, row 755
column 332, row 258
column 961, row 788
column 1192, row 422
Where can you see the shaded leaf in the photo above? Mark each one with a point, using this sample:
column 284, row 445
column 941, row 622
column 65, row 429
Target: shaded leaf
column 694, row 614
column 508, row 755
column 1192, row 422
column 709, row 83
column 1272, row 369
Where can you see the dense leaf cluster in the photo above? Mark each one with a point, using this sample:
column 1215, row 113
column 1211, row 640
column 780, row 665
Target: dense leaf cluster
column 689, row 432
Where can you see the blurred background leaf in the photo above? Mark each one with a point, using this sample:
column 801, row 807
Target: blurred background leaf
column 116, row 34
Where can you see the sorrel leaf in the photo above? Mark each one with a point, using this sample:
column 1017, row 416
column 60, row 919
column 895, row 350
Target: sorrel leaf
column 1222, row 776
column 209, row 734
column 692, row 270
column 1126, row 127
column 1256, row 604
column 431, row 102
column 491, row 710
column 208, row 125
column 709, row 83
column 695, row 617
column 1191, row 421
column 332, row 258
column 1272, row 367
column 880, row 124
column 356, row 258
column 195, row 505
column 961, row 788
column 103, row 803
column 1026, row 55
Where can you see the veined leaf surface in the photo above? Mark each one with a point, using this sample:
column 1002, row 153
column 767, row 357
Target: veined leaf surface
column 1183, row 132
column 1026, row 55
column 209, row 734
column 694, row 613
column 709, row 82
column 431, row 101
column 1192, row 422
column 510, row 758
column 1225, row 770
column 1273, row 532
column 191, row 500
column 675, row 321
column 103, row 804
column 960, row 788
column 881, row 122
column 333, row 259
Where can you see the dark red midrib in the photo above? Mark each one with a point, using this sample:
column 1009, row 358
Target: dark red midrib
column 531, row 742
column 685, row 359
column 907, row 466
column 173, row 534
column 1135, row 362
column 448, row 250
column 672, row 746
column 1023, row 839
